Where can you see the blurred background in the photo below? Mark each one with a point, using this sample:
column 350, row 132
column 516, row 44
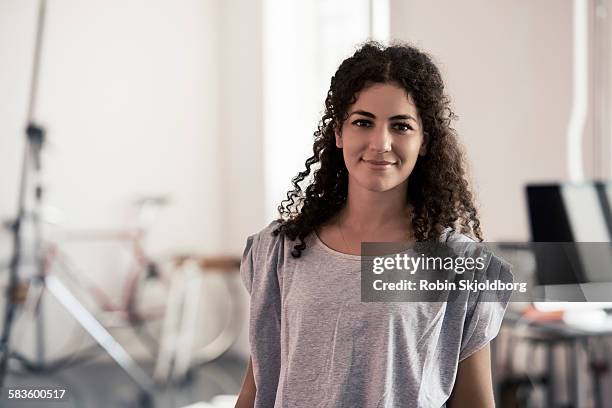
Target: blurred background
column 172, row 131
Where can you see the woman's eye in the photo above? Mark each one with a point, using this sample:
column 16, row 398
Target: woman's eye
column 362, row 123
column 404, row 127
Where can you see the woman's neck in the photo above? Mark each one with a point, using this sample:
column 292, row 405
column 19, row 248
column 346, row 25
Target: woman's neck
column 354, row 225
column 369, row 211
column 364, row 218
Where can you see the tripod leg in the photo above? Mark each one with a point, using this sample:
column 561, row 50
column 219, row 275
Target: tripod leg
column 99, row 334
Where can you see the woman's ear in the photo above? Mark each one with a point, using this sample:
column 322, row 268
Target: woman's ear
column 338, row 134
column 424, row 145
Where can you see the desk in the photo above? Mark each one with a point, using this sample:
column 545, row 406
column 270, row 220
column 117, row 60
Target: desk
column 552, row 333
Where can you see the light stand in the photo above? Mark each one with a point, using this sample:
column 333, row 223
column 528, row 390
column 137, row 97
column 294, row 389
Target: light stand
column 35, row 136
column 34, row 142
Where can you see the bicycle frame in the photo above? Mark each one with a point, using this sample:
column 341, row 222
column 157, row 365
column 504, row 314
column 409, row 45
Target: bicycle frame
column 137, row 271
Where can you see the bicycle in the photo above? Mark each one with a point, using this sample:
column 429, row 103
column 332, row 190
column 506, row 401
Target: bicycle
column 142, row 306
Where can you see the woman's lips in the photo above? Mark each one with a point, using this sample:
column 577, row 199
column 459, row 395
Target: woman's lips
column 379, row 164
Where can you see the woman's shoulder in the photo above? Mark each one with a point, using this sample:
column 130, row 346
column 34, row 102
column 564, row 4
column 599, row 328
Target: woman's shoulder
column 266, row 234
column 260, row 256
column 462, row 242
column 264, row 240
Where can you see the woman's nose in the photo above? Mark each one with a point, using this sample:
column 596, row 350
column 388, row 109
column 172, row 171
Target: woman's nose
column 380, row 140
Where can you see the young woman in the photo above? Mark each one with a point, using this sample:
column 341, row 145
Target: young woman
column 386, row 167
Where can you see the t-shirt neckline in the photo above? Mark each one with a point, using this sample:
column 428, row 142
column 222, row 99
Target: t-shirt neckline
column 332, row 251
column 322, row 244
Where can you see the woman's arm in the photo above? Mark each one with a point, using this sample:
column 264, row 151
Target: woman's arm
column 246, row 398
column 474, row 385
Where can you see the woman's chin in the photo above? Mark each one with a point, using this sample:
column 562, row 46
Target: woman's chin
column 378, row 186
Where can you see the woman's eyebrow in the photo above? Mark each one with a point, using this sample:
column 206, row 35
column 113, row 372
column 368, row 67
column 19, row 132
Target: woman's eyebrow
column 371, row 115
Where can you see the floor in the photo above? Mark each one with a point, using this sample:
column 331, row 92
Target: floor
column 103, row 385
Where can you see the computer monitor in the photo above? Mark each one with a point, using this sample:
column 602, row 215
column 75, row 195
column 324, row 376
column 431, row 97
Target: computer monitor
column 573, row 213
column 570, row 212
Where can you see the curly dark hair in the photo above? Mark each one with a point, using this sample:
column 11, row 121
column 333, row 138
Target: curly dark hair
column 438, row 188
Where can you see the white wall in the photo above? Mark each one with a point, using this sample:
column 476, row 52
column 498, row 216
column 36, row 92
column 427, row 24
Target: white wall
column 507, row 66
column 241, row 156
column 241, row 132
column 130, row 101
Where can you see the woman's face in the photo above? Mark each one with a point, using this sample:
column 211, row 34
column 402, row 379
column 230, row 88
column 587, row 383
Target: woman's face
column 382, row 138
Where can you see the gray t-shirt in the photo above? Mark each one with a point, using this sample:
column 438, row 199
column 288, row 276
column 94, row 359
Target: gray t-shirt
column 315, row 344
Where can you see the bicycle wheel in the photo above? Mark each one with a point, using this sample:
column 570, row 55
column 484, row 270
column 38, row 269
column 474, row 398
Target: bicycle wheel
column 201, row 319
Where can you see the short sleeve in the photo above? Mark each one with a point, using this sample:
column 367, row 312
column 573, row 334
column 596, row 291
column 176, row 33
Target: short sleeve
column 258, row 271
column 246, row 264
column 485, row 310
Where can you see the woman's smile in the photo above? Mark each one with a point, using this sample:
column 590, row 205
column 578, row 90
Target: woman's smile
column 379, row 164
